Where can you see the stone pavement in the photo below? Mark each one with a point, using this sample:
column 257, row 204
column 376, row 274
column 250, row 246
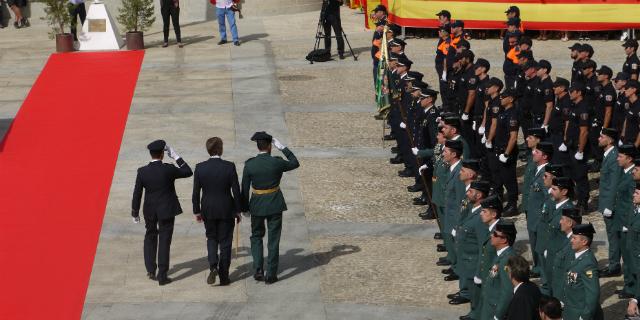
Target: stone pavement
column 352, row 246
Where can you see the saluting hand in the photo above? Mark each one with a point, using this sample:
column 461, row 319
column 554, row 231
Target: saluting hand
column 172, row 153
column 277, row 144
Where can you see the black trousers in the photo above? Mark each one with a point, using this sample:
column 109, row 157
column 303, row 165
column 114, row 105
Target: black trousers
column 596, row 152
column 510, row 81
column 169, row 10
column 157, row 243
column 219, row 237
column 333, row 21
column 579, row 173
column 75, row 11
column 504, row 176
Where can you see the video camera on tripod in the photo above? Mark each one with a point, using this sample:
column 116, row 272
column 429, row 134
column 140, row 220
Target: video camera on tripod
column 323, row 55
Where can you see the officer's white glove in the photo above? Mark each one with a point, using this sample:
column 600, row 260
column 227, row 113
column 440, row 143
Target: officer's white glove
column 444, row 76
column 488, row 145
column 136, row 220
column 624, row 229
column 402, row 125
column 473, row 126
column 503, row 158
column 422, row 168
column 620, row 143
column 172, row 153
column 545, row 253
column 453, row 232
column 481, row 130
column 579, row 155
column 562, row 147
column 484, row 138
column 607, row 213
column 465, row 117
column 545, row 127
column 414, row 150
column 477, row 280
column 277, row 144
column 495, row 318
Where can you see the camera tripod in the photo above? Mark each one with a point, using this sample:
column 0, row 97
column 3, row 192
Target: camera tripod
column 321, row 35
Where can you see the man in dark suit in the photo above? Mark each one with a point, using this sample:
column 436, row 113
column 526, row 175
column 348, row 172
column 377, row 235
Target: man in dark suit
column 161, row 205
column 526, row 295
column 217, row 179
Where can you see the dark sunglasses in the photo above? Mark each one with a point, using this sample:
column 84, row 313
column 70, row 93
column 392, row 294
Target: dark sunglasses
column 495, row 234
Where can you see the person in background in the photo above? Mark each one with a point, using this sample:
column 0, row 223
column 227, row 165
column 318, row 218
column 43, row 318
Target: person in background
column 550, row 308
column 170, row 9
column 76, row 9
column 526, row 296
column 16, row 6
column 331, row 19
column 225, row 8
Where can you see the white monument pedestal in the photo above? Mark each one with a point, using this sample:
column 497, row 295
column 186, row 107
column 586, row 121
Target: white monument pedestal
column 99, row 31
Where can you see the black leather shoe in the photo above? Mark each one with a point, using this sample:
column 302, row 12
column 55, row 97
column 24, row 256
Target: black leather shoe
column 211, row 279
column 221, row 42
column 459, row 300
column 270, row 280
column 465, row 318
column 510, row 211
column 396, row 160
column 164, row 280
column 451, row 277
column 394, row 149
column 449, row 271
column 443, row 263
column 415, row 188
column 437, row 236
column 618, row 291
column 428, row 215
column 625, row 295
column 389, row 137
column 453, row 295
column 341, row 56
column 608, row 273
column 441, row 248
column 406, row 173
column 152, row 276
column 259, row 275
column 442, row 259
column 224, row 281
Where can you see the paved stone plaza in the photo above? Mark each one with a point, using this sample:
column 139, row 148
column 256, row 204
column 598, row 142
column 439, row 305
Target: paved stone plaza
column 352, row 245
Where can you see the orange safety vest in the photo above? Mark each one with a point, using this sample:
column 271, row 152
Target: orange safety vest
column 513, row 55
column 444, row 47
column 376, row 43
column 454, row 41
column 521, row 27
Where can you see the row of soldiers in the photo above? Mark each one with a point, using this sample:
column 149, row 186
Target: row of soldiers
column 464, row 153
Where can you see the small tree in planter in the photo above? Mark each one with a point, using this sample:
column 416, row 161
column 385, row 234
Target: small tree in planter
column 57, row 16
column 136, row 16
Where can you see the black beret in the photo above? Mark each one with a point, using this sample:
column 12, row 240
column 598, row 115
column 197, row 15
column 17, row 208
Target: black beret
column 261, row 135
column 452, row 121
column 457, row 23
column 563, row 182
column 573, row 213
column 576, row 46
column 473, row 164
column 455, row 145
column 513, row 9
column 586, row 230
column 610, row 132
column 561, row 82
column 156, row 146
column 544, row 64
column 555, row 169
column 537, row 132
column 463, row 43
column 621, row 76
column 526, row 40
column 507, row 227
column 481, row 62
column 631, row 43
column 605, row 70
column 590, row 64
column 465, row 54
column 396, row 29
column 546, row 147
column 482, row 186
column 444, row 13
column 515, row 21
column 492, row 202
column 632, row 84
column 446, row 27
column 588, row 48
column 530, row 64
column 628, row 149
column 380, row 7
column 495, row 82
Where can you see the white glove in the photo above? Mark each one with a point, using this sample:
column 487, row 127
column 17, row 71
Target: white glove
column 477, row 280
column 624, row 229
column 481, row 130
column 444, row 76
column 488, row 145
column 277, row 144
column 503, row 158
column 473, row 126
column 484, row 138
column 414, row 150
column 545, row 127
column 172, row 153
column 562, row 147
column 465, row 117
column 545, row 253
column 607, row 213
column 579, row 155
column 619, row 143
column 136, row 220
column 422, row 168
column 402, row 125
column 453, row 232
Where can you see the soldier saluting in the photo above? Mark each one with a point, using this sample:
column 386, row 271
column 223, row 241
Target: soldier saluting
column 266, row 204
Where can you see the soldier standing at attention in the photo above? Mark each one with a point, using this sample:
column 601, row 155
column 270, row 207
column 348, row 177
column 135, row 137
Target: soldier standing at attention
column 622, row 209
column 455, row 192
column 559, row 117
column 263, row 172
column 497, row 288
column 610, row 173
column 634, row 235
column 632, row 63
column 576, row 140
column 533, row 137
column 559, row 262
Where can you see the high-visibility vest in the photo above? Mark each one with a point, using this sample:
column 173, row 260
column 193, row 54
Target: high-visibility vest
column 455, row 40
column 513, row 55
column 377, row 42
column 444, row 47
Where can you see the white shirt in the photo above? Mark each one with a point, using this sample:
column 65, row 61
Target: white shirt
column 578, row 254
column 561, row 203
column 493, row 225
column 467, row 188
column 499, row 252
column 453, row 166
column 76, row 1
column 456, row 137
column 569, row 235
column 608, row 151
column 223, row 4
column 628, row 169
column 215, row 157
column 516, row 287
column 154, row 160
column 540, row 167
column 474, row 209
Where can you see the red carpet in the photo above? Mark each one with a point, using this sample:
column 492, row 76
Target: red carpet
column 56, row 166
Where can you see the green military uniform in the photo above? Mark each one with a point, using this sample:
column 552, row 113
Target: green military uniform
column 633, row 236
column 485, row 262
column 469, row 236
column 610, row 173
column 581, row 293
column 263, row 172
column 537, row 193
column 529, row 172
column 623, row 207
column 454, row 194
column 440, row 173
column 497, row 289
column 549, row 240
column 559, row 265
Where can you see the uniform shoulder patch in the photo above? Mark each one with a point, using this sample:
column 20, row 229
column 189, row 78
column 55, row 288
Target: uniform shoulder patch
column 472, row 80
column 513, row 122
column 584, row 116
column 589, row 274
column 608, row 98
column 547, row 91
column 634, row 66
column 495, row 109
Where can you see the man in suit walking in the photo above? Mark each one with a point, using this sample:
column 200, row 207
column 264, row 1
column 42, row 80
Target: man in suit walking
column 526, row 295
column 218, row 208
column 266, row 204
column 161, row 205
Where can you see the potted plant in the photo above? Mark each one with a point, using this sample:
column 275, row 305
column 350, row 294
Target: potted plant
column 57, row 16
column 136, row 16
